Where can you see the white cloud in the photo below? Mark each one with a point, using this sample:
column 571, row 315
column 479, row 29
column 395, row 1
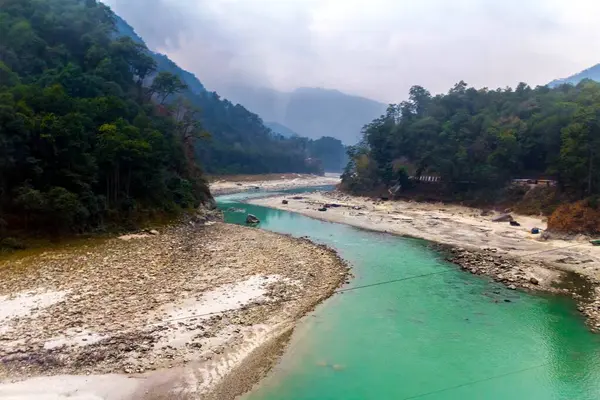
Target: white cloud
column 376, row 48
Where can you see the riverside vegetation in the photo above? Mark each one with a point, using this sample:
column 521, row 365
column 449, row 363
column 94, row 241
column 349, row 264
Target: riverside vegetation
column 477, row 140
column 82, row 142
column 97, row 131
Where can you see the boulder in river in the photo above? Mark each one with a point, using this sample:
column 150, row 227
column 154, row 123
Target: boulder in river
column 252, row 219
column 514, row 223
column 323, row 209
column 284, row 201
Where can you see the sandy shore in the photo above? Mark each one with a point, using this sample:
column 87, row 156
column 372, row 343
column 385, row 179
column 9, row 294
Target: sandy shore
column 270, row 182
column 510, row 254
column 194, row 311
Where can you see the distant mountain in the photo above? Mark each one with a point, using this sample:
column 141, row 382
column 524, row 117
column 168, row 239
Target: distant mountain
column 282, row 130
column 592, row 73
column 311, row 112
column 239, row 141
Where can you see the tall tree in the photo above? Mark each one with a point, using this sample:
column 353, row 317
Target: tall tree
column 166, row 84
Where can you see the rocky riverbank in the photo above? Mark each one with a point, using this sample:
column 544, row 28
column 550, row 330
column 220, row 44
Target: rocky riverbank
column 179, row 310
column 519, row 274
column 510, row 254
column 271, row 182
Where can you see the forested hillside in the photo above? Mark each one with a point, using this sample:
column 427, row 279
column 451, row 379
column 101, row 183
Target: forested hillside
column 81, row 143
column 238, row 141
column 478, row 139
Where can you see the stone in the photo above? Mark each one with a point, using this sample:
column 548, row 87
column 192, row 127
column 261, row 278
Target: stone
column 512, row 287
column 534, row 281
column 252, row 219
column 153, row 232
column 284, row 202
column 503, row 218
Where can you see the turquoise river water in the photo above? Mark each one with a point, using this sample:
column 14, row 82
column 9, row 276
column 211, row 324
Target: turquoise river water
column 450, row 336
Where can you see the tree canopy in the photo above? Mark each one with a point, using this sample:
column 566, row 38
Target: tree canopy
column 81, row 142
column 480, row 138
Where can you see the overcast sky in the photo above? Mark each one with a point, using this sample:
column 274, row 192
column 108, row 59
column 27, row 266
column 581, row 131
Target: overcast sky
column 373, row 48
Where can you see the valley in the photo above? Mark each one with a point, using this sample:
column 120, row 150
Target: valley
column 209, row 202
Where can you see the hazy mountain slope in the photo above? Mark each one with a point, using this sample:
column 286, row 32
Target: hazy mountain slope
column 592, row 73
column 282, row 130
column 239, row 142
column 165, row 64
column 311, row 112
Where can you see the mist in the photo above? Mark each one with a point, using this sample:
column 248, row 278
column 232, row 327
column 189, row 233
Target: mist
column 375, row 48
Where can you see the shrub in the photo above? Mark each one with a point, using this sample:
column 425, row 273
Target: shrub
column 11, row 243
column 538, row 200
column 575, row 218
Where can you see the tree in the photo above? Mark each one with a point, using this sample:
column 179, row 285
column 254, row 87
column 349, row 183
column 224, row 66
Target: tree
column 166, row 84
column 580, row 152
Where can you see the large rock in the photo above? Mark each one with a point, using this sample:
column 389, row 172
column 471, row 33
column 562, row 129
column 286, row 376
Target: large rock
column 503, row 218
column 252, row 219
column 534, row 280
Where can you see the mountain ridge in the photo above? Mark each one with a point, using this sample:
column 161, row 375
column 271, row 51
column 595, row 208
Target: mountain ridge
column 592, row 73
column 311, row 112
column 240, row 139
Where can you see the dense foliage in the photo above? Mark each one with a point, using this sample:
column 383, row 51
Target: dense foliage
column 81, row 142
column 239, row 142
column 330, row 151
column 480, row 139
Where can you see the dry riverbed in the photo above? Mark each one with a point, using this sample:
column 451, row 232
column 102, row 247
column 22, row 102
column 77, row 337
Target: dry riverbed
column 190, row 312
column 510, row 254
column 271, row 182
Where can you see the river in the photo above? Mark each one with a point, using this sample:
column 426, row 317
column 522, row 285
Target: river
column 446, row 336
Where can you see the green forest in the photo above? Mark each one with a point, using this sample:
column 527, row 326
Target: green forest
column 474, row 139
column 97, row 130
column 81, row 142
column 477, row 140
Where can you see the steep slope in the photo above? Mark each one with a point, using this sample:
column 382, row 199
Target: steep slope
column 81, row 146
column 592, row 73
column 279, row 129
column 312, row 112
column 239, row 141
